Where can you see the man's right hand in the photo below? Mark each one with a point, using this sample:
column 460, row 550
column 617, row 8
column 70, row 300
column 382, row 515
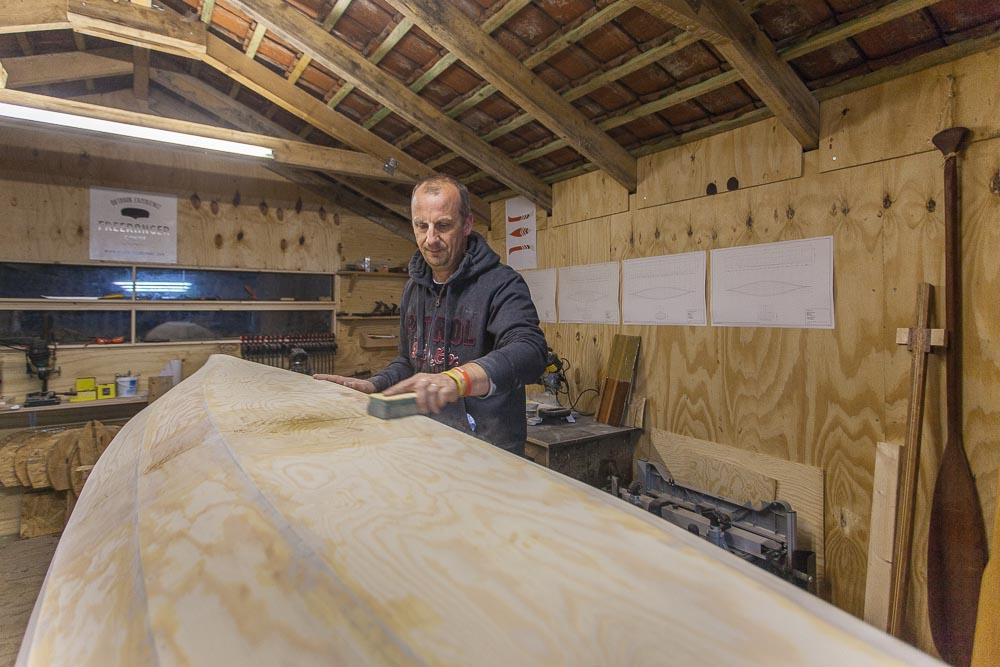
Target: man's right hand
column 364, row 386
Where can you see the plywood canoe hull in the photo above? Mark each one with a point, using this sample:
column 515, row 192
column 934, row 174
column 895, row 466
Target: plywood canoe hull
column 256, row 516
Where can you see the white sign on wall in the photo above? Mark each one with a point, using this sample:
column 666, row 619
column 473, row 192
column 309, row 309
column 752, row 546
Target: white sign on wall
column 522, row 249
column 132, row 226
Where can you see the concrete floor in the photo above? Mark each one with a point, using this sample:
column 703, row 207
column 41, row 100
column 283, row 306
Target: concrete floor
column 24, row 564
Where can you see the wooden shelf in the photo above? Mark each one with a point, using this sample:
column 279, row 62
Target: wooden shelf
column 377, row 318
column 160, row 304
column 373, row 274
column 67, row 405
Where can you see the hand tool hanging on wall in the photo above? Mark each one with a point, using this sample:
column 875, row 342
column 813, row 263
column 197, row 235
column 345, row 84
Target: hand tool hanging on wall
column 956, row 549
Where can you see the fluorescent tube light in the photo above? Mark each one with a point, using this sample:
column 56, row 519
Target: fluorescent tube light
column 154, row 286
column 135, row 131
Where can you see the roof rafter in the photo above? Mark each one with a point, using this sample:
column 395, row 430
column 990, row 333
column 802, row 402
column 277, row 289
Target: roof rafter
column 729, row 26
column 491, row 23
column 554, row 45
column 232, row 62
column 318, row 184
column 821, row 40
column 28, row 71
column 460, row 35
column 298, row 30
column 227, row 109
column 17, row 16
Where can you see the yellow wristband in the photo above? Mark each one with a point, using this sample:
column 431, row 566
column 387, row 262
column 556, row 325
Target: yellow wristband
column 458, row 381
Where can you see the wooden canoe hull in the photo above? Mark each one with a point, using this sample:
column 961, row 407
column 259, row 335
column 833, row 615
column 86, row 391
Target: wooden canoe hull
column 257, row 516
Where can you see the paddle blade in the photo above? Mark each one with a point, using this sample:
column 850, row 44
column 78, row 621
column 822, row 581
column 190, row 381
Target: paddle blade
column 956, row 557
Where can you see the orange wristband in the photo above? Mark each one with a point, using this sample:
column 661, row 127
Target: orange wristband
column 465, row 376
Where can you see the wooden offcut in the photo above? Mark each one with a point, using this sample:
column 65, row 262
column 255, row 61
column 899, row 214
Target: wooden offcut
column 882, row 536
column 315, row 534
column 618, row 383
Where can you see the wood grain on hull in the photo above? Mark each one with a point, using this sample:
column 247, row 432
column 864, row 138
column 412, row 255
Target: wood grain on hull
column 256, row 516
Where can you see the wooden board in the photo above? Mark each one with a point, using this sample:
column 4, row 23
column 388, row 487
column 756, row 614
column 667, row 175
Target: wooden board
column 315, row 534
column 878, row 584
column 593, row 195
column 764, row 152
column 900, row 117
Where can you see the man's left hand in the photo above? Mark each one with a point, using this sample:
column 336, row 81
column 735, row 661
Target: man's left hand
column 433, row 390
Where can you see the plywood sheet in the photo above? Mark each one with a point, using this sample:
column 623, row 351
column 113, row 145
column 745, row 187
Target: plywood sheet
column 764, row 152
column 314, row 533
column 587, row 197
column 899, row 117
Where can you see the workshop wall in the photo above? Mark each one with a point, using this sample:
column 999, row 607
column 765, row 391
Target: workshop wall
column 231, row 214
column 817, row 397
column 357, row 351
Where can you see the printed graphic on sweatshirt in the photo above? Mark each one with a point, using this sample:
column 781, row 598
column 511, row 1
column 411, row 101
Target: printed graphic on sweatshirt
column 460, row 335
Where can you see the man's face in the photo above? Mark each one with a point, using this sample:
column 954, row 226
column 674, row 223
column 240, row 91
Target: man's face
column 440, row 232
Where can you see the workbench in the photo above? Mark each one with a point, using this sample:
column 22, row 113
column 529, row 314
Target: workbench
column 586, row 450
column 70, row 413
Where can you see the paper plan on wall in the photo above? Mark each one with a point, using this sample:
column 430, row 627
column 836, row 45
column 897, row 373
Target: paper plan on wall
column 664, row 290
column 787, row 284
column 522, row 247
column 542, row 285
column 589, row 294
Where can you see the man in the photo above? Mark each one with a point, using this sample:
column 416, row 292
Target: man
column 469, row 338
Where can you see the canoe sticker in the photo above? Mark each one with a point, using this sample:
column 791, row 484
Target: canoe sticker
column 520, row 233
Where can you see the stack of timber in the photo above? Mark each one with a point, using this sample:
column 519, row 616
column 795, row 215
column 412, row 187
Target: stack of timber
column 54, row 464
column 262, row 517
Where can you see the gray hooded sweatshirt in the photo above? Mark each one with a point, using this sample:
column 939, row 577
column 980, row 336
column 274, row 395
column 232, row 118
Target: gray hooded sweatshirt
column 482, row 313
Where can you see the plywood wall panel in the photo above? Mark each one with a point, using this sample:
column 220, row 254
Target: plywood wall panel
column 44, row 206
column 360, row 238
column 761, row 153
column 899, row 117
column 586, row 197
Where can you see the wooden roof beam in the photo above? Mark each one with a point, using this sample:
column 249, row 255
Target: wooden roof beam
column 731, row 29
column 225, row 108
column 293, row 153
column 460, row 35
column 137, row 25
column 28, row 71
column 491, row 23
column 295, row 100
column 171, row 106
column 303, row 34
column 18, row 16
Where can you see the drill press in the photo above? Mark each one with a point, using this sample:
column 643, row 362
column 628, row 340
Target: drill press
column 40, row 360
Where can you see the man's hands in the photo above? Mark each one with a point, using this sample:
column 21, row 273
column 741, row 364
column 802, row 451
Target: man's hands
column 433, row 390
column 364, row 386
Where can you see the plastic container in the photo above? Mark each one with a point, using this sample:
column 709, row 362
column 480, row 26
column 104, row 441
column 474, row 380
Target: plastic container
column 127, row 385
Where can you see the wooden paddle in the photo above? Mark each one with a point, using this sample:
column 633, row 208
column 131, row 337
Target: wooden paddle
column 956, row 549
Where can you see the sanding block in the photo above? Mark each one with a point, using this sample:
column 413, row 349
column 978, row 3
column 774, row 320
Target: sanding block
column 391, row 407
